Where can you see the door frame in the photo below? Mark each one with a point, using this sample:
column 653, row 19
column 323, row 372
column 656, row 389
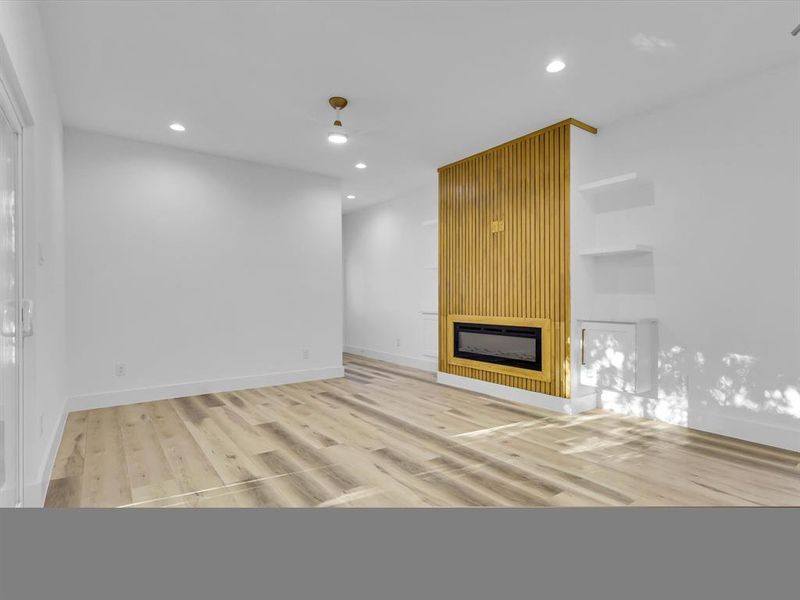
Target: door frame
column 16, row 111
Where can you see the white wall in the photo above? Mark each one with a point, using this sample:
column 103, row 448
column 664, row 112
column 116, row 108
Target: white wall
column 718, row 198
column 43, row 223
column 389, row 252
column 720, row 203
column 198, row 273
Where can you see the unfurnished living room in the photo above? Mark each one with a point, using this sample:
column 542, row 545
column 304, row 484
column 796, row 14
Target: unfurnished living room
column 399, row 254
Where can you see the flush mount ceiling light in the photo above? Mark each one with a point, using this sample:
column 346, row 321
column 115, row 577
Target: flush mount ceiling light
column 555, row 66
column 351, row 197
column 337, row 134
column 361, row 166
column 177, row 127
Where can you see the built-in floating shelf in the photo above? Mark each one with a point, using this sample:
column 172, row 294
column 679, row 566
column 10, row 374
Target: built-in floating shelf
column 430, row 222
column 431, row 311
column 618, row 250
column 621, row 321
column 602, row 185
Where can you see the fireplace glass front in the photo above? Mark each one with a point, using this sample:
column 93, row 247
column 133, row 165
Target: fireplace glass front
column 499, row 344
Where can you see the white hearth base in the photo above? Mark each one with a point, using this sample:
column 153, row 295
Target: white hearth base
column 569, row 406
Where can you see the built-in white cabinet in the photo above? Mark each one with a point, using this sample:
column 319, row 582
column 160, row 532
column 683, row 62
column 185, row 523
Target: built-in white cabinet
column 618, row 355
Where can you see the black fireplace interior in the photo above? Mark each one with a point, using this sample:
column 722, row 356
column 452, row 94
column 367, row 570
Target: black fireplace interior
column 499, row 344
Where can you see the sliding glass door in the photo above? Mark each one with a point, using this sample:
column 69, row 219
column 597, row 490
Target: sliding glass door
column 10, row 317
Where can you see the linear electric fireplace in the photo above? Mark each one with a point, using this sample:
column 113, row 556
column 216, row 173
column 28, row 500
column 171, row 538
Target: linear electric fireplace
column 499, row 344
column 513, row 346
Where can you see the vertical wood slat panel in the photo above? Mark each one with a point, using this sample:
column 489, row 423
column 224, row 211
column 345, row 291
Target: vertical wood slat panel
column 522, row 271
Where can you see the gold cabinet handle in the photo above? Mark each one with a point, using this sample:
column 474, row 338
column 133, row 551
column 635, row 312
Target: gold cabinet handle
column 583, row 346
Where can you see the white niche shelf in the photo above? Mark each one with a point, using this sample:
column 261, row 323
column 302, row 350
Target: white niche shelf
column 621, row 250
column 609, row 183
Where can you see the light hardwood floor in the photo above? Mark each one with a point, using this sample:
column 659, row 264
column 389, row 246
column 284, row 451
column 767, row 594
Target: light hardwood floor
column 386, row 435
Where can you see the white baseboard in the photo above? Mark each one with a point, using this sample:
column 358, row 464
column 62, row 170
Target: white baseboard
column 750, row 430
column 582, row 403
column 425, row 364
column 745, row 429
column 178, row 390
column 36, row 491
column 554, row 403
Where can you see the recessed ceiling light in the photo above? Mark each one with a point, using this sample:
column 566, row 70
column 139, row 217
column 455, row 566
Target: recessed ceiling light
column 177, row 127
column 555, row 66
column 351, row 197
column 361, row 166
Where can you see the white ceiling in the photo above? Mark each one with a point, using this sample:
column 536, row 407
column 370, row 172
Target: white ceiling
column 428, row 83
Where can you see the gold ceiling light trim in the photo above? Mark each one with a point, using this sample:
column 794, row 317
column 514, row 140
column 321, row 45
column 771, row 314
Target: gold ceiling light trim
column 337, row 102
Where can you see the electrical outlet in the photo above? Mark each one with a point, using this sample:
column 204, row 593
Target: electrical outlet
column 397, row 342
column 120, row 369
column 305, row 353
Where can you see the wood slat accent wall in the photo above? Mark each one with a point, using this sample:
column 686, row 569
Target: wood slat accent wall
column 522, row 271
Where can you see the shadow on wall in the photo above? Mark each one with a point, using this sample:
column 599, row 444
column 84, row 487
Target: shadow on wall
column 693, row 386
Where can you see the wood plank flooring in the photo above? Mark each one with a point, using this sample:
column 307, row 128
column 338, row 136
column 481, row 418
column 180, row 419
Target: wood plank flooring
column 386, row 435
